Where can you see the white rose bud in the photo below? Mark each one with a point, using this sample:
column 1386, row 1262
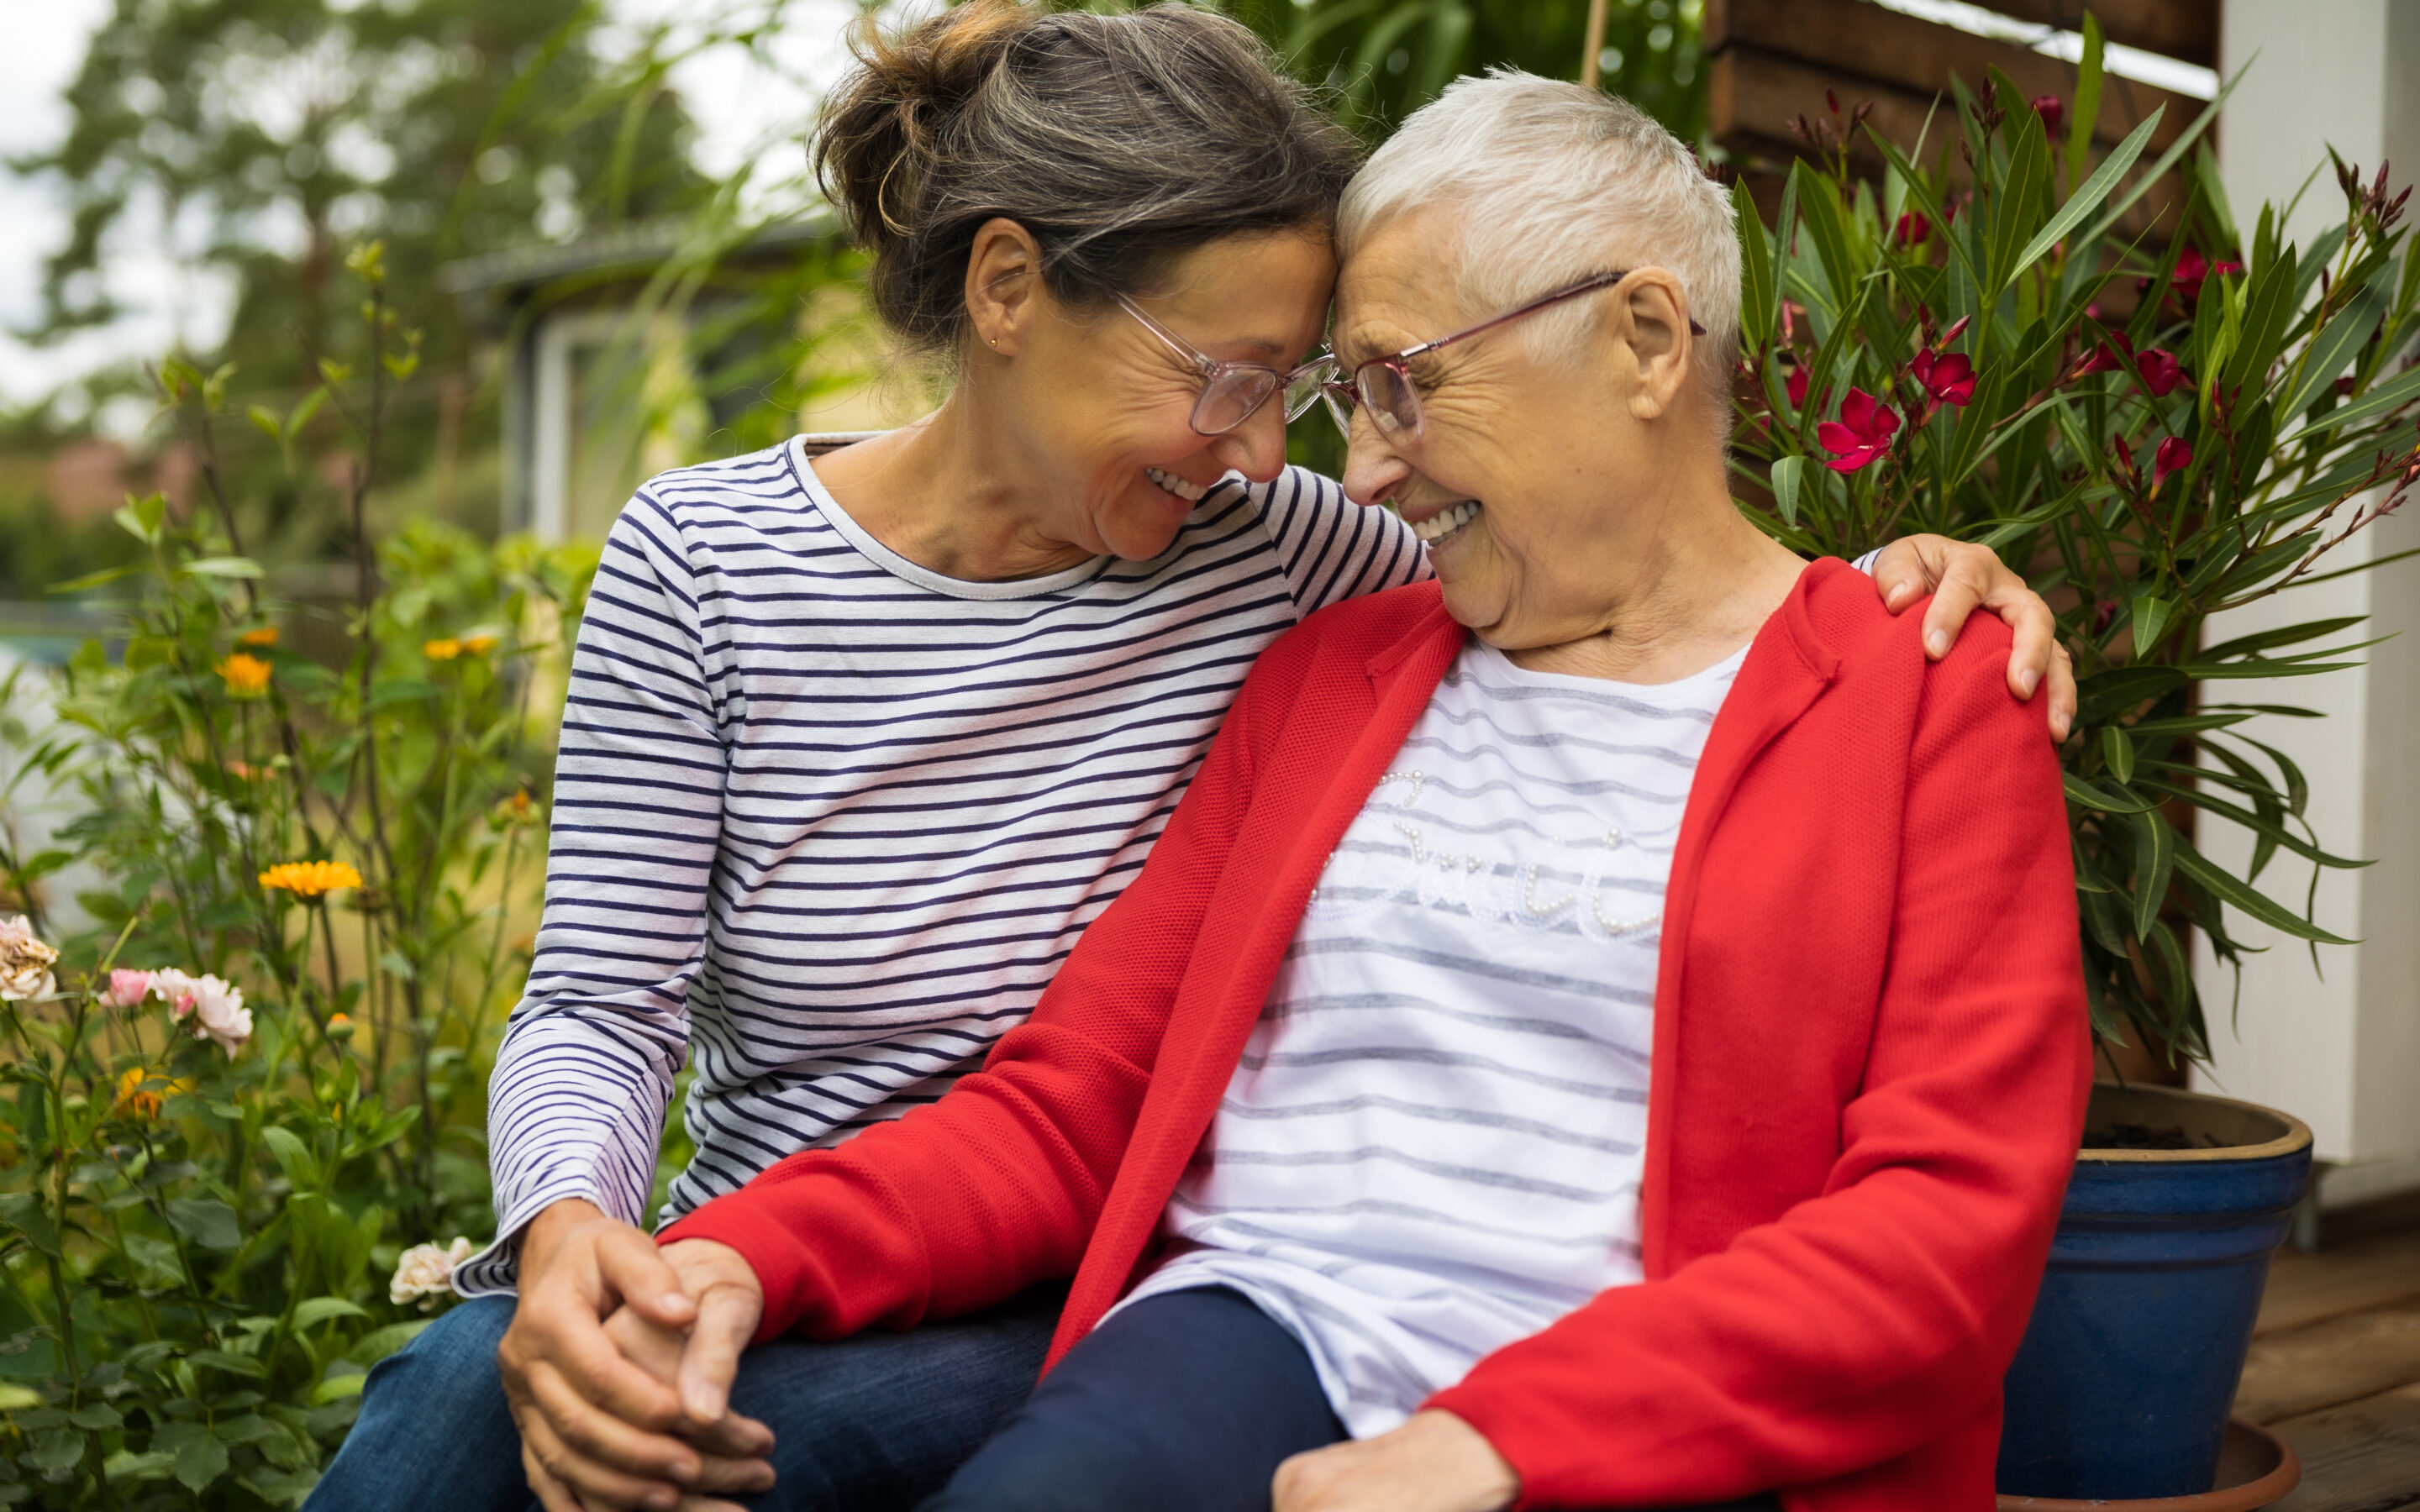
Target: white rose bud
column 426, row 1273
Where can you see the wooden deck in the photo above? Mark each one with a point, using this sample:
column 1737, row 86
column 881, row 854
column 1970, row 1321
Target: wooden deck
column 2335, row 1371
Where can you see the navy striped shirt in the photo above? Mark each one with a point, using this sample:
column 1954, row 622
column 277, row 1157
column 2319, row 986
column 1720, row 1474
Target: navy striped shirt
column 827, row 823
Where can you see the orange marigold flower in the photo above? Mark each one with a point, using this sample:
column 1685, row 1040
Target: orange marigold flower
column 260, row 640
column 246, row 677
column 309, row 879
column 139, row 1102
column 478, row 645
column 441, row 649
column 340, row 1027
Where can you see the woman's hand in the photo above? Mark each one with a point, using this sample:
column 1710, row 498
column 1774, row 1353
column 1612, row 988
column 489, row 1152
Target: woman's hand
column 595, row 1425
column 1962, row 576
column 1435, row 1463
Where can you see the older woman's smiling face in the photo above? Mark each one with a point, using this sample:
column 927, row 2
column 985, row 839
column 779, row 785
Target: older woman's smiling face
column 1537, row 478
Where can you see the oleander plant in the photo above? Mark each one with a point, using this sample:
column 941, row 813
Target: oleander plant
column 2156, row 421
column 245, row 1075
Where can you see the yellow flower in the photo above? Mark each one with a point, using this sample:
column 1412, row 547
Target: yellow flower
column 443, row 649
column 478, row 645
column 260, row 640
column 516, row 813
column 309, row 879
column 247, row 677
column 139, row 1102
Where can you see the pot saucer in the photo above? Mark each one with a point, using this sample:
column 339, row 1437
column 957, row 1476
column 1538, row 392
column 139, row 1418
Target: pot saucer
column 2256, row 1469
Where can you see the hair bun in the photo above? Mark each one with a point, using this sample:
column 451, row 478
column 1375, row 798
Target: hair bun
column 880, row 131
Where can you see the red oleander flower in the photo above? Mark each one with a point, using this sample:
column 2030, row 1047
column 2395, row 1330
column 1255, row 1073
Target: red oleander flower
column 1862, row 434
column 2174, row 456
column 2160, row 373
column 2052, row 110
column 1948, row 378
column 1795, row 386
column 2105, row 361
column 2191, row 268
column 1913, row 228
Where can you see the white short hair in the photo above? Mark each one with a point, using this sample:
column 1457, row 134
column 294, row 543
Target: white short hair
column 1555, row 183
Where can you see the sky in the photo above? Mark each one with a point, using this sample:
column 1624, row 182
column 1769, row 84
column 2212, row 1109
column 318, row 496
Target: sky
column 743, row 108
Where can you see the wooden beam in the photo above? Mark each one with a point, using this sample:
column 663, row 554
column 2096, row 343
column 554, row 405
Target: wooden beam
column 2186, row 29
column 1868, row 46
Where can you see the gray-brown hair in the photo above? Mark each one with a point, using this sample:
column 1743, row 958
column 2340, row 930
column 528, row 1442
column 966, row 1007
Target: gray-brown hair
column 1119, row 141
column 1553, row 182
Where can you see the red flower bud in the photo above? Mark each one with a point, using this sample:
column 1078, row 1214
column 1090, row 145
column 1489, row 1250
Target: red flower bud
column 2174, row 456
column 1913, row 228
column 1861, row 435
column 2052, row 110
column 1795, row 385
column 2161, row 374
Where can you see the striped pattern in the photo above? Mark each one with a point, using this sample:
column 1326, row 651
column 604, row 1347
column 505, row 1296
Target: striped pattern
column 1431, row 1148
column 825, row 823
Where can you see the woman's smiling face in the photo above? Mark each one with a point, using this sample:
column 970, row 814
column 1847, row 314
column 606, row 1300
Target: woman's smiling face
column 1105, row 407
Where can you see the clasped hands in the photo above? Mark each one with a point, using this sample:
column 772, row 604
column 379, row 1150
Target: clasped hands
column 619, row 1363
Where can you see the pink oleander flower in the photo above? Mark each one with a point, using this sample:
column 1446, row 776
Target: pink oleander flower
column 215, row 1007
column 2193, row 268
column 24, row 962
column 1861, row 436
column 2161, row 372
column 2174, row 456
column 426, row 1273
column 128, row 989
column 1947, row 377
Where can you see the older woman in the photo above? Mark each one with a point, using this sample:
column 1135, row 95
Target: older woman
column 857, row 746
column 1602, row 1029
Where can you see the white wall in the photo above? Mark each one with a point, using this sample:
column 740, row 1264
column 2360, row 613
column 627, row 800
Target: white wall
column 2338, row 1046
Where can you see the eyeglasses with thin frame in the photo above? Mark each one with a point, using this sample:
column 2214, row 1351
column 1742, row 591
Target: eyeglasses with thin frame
column 1232, row 393
column 1385, row 383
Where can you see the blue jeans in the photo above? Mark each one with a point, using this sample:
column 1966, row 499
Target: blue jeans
column 1185, row 1402
column 866, row 1424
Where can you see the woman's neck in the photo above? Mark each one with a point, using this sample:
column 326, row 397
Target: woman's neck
column 955, row 494
column 1693, row 587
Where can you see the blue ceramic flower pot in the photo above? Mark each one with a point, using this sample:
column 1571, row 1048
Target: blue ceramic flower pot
column 2122, row 1385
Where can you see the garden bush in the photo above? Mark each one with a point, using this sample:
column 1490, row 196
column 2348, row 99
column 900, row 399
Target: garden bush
column 246, row 1080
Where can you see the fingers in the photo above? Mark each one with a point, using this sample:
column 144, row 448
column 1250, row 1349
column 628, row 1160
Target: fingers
column 741, row 1475
column 726, row 1321
column 2036, row 634
column 599, row 1456
column 2062, row 692
column 551, row 1494
column 1903, row 573
column 1967, row 579
column 633, row 1271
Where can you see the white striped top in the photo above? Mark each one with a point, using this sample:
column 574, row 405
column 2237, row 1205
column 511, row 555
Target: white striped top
column 1431, row 1146
column 825, row 823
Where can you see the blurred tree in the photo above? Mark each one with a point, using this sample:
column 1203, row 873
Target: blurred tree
column 267, row 136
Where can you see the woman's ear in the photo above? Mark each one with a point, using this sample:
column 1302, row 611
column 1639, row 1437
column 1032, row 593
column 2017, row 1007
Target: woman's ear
column 1653, row 326
column 1002, row 296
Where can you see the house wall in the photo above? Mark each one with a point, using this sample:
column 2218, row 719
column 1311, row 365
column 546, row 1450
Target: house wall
column 2336, row 1043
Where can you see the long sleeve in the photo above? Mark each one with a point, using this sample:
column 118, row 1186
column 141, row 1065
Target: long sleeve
column 1001, row 1183
column 576, row 1105
column 1331, row 548
column 1878, row 1316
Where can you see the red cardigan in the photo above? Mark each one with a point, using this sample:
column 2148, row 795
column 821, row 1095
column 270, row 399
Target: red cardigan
column 1870, row 1070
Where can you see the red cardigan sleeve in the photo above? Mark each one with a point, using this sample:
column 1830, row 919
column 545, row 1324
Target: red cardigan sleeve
column 1000, row 1184
column 1881, row 1313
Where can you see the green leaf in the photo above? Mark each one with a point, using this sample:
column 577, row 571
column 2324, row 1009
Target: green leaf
column 2086, row 112
column 293, row 1157
column 2267, row 312
column 2167, row 160
column 23, row 1212
column 1787, row 475
column 205, row 1220
column 2282, row 636
column 57, row 1451
column 2093, row 798
column 2152, row 615
column 336, row 1388
column 2381, row 399
column 2250, row 903
column 2155, row 855
column 2117, row 749
column 94, row 579
column 319, row 1310
column 200, row 1462
column 96, row 1417
column 379, row 1343
column 224, row 567
column 15, row 1398
column 126, row 1465
column 1760, row 290
column 2335, row 349
column 234, row 1364
column 2086, row 199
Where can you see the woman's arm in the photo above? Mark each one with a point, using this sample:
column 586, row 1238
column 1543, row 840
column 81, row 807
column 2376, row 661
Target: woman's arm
column 1883, row 1313
column 998, row 1183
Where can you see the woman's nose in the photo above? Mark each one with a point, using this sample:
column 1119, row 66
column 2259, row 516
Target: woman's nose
column 1373, row 469
column 1256, row 448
